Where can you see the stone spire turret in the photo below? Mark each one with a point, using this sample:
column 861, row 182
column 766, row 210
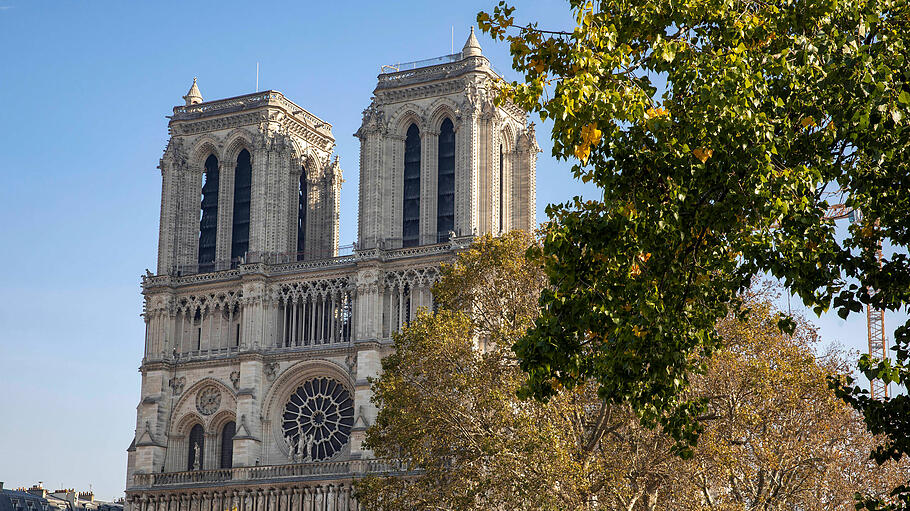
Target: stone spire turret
column 194, row 97
column 471, row 46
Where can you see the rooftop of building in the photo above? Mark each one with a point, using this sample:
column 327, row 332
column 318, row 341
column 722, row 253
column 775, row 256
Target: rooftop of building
column 196, row 108
column 470, row 58
column 37, row 497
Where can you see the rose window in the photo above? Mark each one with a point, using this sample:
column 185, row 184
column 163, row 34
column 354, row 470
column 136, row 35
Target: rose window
column 208, row 400
column 317, row 420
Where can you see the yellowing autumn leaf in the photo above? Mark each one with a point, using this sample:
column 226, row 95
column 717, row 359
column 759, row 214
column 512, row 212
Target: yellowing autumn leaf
column 703, row 153
column 582, row 152
column 807, row 121
column 590, row 135
column 658, row 112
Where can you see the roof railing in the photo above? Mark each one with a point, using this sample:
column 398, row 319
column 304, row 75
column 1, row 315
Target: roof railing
column 407, row 66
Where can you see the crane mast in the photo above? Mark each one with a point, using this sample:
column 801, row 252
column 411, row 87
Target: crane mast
column 875, row 317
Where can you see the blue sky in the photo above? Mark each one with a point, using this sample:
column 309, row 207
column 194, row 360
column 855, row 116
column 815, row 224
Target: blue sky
column 84, row 91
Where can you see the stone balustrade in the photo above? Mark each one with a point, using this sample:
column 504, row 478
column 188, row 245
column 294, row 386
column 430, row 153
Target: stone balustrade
column 300, row 471
column 274, row 264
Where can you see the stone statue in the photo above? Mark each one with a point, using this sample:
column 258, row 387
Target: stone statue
column 301, row 445
column 196, row 456
column 292, row 447
column 309, row 448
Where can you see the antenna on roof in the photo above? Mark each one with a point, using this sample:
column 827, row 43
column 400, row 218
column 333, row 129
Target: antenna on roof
column 453, row 39
column 257, row 77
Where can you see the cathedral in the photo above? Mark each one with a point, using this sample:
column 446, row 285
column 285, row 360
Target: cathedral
column 260, row 337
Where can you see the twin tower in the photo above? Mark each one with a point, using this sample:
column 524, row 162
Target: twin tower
column 253, row 177
column 260, row 337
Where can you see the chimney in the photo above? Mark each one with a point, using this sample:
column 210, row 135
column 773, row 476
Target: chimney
column 38, row 490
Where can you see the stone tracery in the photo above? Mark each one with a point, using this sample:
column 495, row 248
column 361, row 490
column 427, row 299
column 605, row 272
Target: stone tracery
column 315, row 312
column 317, row 420
column 208, row 399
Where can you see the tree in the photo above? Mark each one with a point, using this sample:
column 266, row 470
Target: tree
column 448, row 406
column 718, row 132
column 776, row 436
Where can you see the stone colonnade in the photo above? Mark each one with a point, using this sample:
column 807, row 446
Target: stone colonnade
column 323, row 497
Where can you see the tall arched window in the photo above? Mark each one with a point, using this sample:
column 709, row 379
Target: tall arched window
column 196, row 448
column 501, row 198
column 240, row 227
column 445, row 195
column 410, row 223
column 227, row 444
column 301, row 214
column 208, row 216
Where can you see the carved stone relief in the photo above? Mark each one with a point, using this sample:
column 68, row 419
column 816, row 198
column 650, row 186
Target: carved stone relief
column 177, row 384
column 271, row 371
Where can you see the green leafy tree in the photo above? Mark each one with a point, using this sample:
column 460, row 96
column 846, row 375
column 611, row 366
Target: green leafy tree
column 776, row 436
column 719, row 132
column 448, row 403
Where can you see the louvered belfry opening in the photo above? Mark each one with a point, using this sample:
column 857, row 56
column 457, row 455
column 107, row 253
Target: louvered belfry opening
column 445, row 197
column 501, row 201
column 301, row 214
column 240, row 226
column 196, row 444
column 208, row 215
column 410, row 225
column 227, row 444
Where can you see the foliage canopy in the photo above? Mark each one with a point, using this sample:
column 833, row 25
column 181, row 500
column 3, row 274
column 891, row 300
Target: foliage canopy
column 776, row 436
column 719, row 132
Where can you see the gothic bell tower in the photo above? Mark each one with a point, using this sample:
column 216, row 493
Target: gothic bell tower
column 245, row 178
column 437, row 156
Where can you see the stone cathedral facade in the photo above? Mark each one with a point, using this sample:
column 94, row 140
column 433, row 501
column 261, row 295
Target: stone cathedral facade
column 260, row 337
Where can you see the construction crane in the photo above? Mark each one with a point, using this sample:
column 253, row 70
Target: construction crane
column 875, row 317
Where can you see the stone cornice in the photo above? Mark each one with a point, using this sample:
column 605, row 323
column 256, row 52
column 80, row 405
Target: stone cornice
column 343, row 265
column 253, row 109
column 178, row 128
column 256, row 100
column 449, row 70
column 265, row 355
column 419, row 92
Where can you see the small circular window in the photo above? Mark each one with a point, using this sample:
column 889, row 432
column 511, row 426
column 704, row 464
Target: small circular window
column 317, row 420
